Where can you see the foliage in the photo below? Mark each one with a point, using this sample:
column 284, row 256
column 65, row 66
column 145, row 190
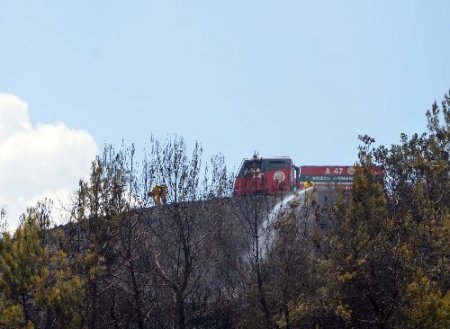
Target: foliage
column 375, row 257
column 38, row 284
column 391, row 248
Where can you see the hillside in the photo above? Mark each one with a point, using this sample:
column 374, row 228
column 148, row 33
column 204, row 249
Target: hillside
column 194, row 262
column 375, row 256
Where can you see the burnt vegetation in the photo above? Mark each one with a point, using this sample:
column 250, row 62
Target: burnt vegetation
column 378, row 257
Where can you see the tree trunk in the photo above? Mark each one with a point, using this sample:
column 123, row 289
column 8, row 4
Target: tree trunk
column 137, row 298
column 180, row 321
column 92, row 315
column 262, row 294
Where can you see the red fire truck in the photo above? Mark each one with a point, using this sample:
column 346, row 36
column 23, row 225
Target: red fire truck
column 279, row 175
column 268, row 176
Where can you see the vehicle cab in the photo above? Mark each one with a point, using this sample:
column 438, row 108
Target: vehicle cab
column 265, row 176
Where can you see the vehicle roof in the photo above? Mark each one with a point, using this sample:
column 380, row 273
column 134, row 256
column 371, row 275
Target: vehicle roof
column 269, row 158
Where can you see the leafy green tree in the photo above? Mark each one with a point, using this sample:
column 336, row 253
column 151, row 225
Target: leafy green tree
column 11, row 309
column 39, row 288
column 367, row 255
column 390, row 251
column 426, row 306
column 20, row 260
column 100, row 205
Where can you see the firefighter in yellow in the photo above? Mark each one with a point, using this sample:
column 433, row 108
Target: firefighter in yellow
column 159, row 194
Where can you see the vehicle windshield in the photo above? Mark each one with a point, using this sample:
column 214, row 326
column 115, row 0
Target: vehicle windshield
column 276, row 164
column 249, row 167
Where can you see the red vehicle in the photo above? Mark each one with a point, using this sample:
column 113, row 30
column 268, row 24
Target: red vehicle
column 279, row 175
column 267, row 176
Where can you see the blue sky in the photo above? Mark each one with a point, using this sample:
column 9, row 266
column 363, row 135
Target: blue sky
column 297, row 78
column 282, row 77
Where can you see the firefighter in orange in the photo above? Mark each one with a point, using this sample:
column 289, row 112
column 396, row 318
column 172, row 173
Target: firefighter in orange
column 159, row 194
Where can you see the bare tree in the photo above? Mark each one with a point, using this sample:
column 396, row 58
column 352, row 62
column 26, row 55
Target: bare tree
column 181, row 235
column 3, row 222
column 253, row 213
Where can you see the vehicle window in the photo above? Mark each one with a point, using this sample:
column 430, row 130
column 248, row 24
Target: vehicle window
column 277, row 164
column 250, row 165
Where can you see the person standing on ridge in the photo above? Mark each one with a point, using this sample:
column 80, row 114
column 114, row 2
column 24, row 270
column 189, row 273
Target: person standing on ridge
column 159, row 194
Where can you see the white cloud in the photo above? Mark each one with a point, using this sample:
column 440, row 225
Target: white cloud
column 37, row 161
